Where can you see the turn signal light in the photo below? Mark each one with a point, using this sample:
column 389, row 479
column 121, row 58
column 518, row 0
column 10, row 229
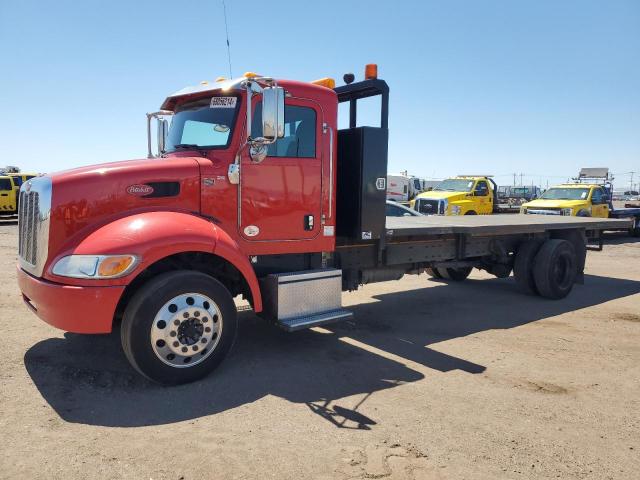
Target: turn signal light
column 250, row 75
column 113, row 266
column 371, row 71
column 325, row 82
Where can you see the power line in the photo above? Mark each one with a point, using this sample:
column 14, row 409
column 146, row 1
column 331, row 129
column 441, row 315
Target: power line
column 226, row 27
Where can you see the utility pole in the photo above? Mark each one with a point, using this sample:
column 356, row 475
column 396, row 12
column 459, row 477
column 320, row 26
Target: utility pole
column 631, row 181
column 514, row 179
column 520, row 178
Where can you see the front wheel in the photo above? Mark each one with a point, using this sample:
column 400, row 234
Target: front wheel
column 179, row 327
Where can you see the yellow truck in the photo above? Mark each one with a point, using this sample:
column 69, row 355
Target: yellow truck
column 582, row 200
column 461, row 195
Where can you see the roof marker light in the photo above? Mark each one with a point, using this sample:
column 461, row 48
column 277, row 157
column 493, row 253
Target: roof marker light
column 325, row 82
column 220, row 79
column 250, row 75
column 371, row 71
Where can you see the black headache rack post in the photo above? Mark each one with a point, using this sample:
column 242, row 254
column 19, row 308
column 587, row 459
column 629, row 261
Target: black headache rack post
column 362, row 169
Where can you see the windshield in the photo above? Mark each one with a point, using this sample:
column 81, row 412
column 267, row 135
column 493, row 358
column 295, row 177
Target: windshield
column 566, row 194
column 206, row 123
column 455, row 185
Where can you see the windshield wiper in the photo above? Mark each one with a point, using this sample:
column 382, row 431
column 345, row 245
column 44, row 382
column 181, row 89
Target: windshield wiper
column 193, row 146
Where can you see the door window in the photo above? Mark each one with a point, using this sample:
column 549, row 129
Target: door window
column 482, row 189
column 597, row 197
column 299, row 139
column 5, row 184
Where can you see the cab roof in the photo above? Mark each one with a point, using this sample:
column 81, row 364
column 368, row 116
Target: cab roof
column 228, row 87
column 576, row 185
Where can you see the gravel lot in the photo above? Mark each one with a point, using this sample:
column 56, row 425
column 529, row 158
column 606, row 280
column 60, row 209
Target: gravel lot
column 429, row 381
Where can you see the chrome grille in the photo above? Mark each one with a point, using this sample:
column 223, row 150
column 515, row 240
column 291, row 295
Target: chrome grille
column 29, row 211
column 429, row 207
column 33, row 224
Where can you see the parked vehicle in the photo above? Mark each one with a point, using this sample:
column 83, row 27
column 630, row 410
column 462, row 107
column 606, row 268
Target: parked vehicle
column 584, row 199
column 511, row 198
column 8, row 195
column 403, row 188
column 257, row 194
column 394, row 209
column 462, row 195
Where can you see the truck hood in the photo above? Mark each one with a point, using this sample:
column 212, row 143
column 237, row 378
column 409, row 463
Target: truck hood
column 441, row 194
column 88, row 197
column 542, row 203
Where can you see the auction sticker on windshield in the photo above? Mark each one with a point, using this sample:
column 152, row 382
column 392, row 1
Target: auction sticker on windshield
column 223, row 102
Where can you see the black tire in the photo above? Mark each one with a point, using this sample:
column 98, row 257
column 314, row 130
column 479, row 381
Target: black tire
column 634, row 231
column 148, row 301
column 433, row 272
column 471, row 212
column 523, row 266
column 555, row 269
column 455, row 274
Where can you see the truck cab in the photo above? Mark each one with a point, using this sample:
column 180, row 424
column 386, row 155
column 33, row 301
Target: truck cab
column 461, row 195
column 571, row 199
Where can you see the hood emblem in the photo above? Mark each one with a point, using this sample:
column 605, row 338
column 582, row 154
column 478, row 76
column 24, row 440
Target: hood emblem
column 140, row 190
column 27, row 187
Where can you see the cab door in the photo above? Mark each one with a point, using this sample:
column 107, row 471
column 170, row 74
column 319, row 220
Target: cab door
column 280, row 198
column 482, row 197
column 599, row 203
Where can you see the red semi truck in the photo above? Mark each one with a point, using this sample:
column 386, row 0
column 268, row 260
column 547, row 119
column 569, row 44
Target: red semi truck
column 255, row 192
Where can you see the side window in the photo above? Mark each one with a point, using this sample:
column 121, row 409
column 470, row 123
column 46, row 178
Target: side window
column 17, row 180
column 5, row 184
column 299, row 132
column 405, row 189
column 597, row 197
column 481, row 188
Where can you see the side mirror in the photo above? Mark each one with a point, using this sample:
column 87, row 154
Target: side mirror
column 272, row 113
column 163, row 129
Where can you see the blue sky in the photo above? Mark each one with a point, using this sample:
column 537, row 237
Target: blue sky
column 534, row 87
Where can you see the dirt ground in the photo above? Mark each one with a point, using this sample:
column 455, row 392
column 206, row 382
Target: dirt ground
column 430, row 381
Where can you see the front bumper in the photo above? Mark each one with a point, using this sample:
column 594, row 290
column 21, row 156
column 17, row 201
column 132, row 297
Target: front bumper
column 70, row 308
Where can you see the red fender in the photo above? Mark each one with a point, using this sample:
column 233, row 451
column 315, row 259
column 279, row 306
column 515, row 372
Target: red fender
column 153, row 236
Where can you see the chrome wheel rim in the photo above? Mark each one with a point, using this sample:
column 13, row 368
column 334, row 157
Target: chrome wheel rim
column 186, row 330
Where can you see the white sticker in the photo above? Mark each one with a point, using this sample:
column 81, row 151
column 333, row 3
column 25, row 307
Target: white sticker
column 381, row 183
column 366, row 235
column 251, row 231
column 223, row 102
column 328, row 231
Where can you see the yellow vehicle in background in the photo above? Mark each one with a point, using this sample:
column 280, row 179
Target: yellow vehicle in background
column 8, row 195
column 571, row 199
column 21, row 177
column 462, row 195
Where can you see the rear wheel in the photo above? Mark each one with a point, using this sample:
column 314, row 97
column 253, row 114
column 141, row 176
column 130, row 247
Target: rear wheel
column 634, row 231
column 555, row 269
column 179, row 327
column 455, row 274
column 523, row 266
column 433, row 272
column 471, row 212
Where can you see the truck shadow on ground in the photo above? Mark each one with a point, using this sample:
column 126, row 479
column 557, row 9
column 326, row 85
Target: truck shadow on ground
column 86, row 379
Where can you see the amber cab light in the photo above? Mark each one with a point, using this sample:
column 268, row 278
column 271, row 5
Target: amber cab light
column 371, row 71
column 325, row 82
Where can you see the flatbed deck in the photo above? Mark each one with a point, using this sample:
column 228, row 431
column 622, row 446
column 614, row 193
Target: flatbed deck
column 500, row 224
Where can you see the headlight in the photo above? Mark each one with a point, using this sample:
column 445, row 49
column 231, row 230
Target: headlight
column 455, row 210
column 94, row 266
column 566, row 211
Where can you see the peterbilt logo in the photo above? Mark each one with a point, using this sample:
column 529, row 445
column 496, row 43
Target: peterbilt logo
column 27, row 187
column 140, row 190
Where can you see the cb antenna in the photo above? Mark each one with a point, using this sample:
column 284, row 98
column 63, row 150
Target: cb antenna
column 226, row 27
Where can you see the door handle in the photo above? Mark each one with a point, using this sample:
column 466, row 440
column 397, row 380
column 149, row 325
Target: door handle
column 5, row 194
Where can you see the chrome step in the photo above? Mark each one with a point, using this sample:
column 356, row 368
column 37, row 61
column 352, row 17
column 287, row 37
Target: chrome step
column 292, row 324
